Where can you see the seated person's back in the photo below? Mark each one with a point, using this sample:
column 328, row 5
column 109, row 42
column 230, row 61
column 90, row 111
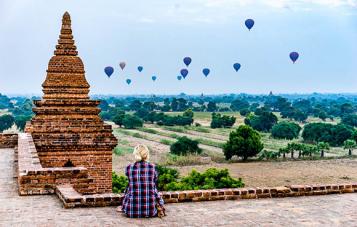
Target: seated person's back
column 141, row 195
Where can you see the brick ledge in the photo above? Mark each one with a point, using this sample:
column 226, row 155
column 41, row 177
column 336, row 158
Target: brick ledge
column 72, row 198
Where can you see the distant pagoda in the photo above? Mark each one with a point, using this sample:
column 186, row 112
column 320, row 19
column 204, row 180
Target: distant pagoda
column 66, row 128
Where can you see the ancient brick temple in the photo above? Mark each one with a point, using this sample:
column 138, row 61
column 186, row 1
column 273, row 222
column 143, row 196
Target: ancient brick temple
column 66, row 128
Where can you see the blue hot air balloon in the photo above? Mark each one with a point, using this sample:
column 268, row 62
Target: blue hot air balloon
column 294, row 56
column 108, row 70
column 187, row 61
column 184, row 73
column 236, row 66
column 249, row 23
column 205, row 71
column 153, row 78
column 128, row 81
column 140, row 68
column 179, row 77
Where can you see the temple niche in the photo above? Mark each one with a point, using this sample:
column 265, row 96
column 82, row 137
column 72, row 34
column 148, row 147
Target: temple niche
column 66, row 128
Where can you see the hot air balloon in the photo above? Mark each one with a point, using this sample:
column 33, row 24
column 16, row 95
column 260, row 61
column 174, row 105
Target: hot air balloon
column 184, row 73
column 236, row 66
column 187, row 61
column 122, row 65
column 140, row 68
column 108, row 70
column 249, row 23
column 153, row 78
column 205, row 71
column 128, row 81
column 294, row 56
column 179, row 77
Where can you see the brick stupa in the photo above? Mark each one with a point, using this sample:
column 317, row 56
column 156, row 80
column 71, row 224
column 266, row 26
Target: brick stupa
column 66, row 128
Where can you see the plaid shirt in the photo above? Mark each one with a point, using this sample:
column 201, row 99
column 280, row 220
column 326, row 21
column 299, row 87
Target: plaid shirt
column 141, row 194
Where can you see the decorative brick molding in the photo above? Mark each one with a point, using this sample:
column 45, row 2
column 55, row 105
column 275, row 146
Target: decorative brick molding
column 72, row 199
column 33, row 179
column 8, row 140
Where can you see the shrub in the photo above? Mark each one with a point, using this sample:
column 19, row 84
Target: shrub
column 224, row 121
column 169, row 180
column 184, row 146
column 131, row 122
column 285, row 130
column 166, row 176
column 211, row 178
column 119, row 183
column 243, row 142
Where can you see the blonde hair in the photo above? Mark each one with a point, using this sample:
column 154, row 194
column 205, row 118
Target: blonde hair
column 141, row 153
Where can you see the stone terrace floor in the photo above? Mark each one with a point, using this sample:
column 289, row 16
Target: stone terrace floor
column 331, row 210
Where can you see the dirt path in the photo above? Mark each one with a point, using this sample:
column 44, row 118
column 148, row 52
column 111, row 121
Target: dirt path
column 257, row 174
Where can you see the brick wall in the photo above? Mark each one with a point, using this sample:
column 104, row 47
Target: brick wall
column 72, row 199
column 33, row 179
column 257, row 193
column 8, row 140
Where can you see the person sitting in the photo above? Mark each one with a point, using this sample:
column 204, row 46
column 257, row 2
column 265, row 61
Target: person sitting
column 142, row 198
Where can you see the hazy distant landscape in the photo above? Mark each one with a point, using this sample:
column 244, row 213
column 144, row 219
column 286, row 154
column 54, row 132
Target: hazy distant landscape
column 301, row 134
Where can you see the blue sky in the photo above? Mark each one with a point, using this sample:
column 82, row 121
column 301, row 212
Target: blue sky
column 158, row 34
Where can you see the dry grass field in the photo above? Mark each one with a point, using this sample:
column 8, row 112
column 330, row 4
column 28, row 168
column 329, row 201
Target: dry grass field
column 254, row 173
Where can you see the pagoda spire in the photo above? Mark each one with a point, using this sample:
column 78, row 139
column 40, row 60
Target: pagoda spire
column 65, row 44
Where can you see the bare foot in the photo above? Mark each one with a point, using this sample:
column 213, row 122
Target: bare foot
column 119, row 209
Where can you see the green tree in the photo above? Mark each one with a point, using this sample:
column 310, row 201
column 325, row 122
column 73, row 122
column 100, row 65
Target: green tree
column 244, row 142
column 322, row 147
column 6, row 121
column 149, row 106
column 239, row 104
column 292, row 147
column 324, row 132
column 135, row 105
column 262, row 122
column 350, row 145
column 184, row 146
column 132, row 121
column 104, row 106
column 141, row 113
column 21, row 120
column 244, row 112
column 285, row 130
column 349, row 119
column 211, row 106
column 118, row 118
